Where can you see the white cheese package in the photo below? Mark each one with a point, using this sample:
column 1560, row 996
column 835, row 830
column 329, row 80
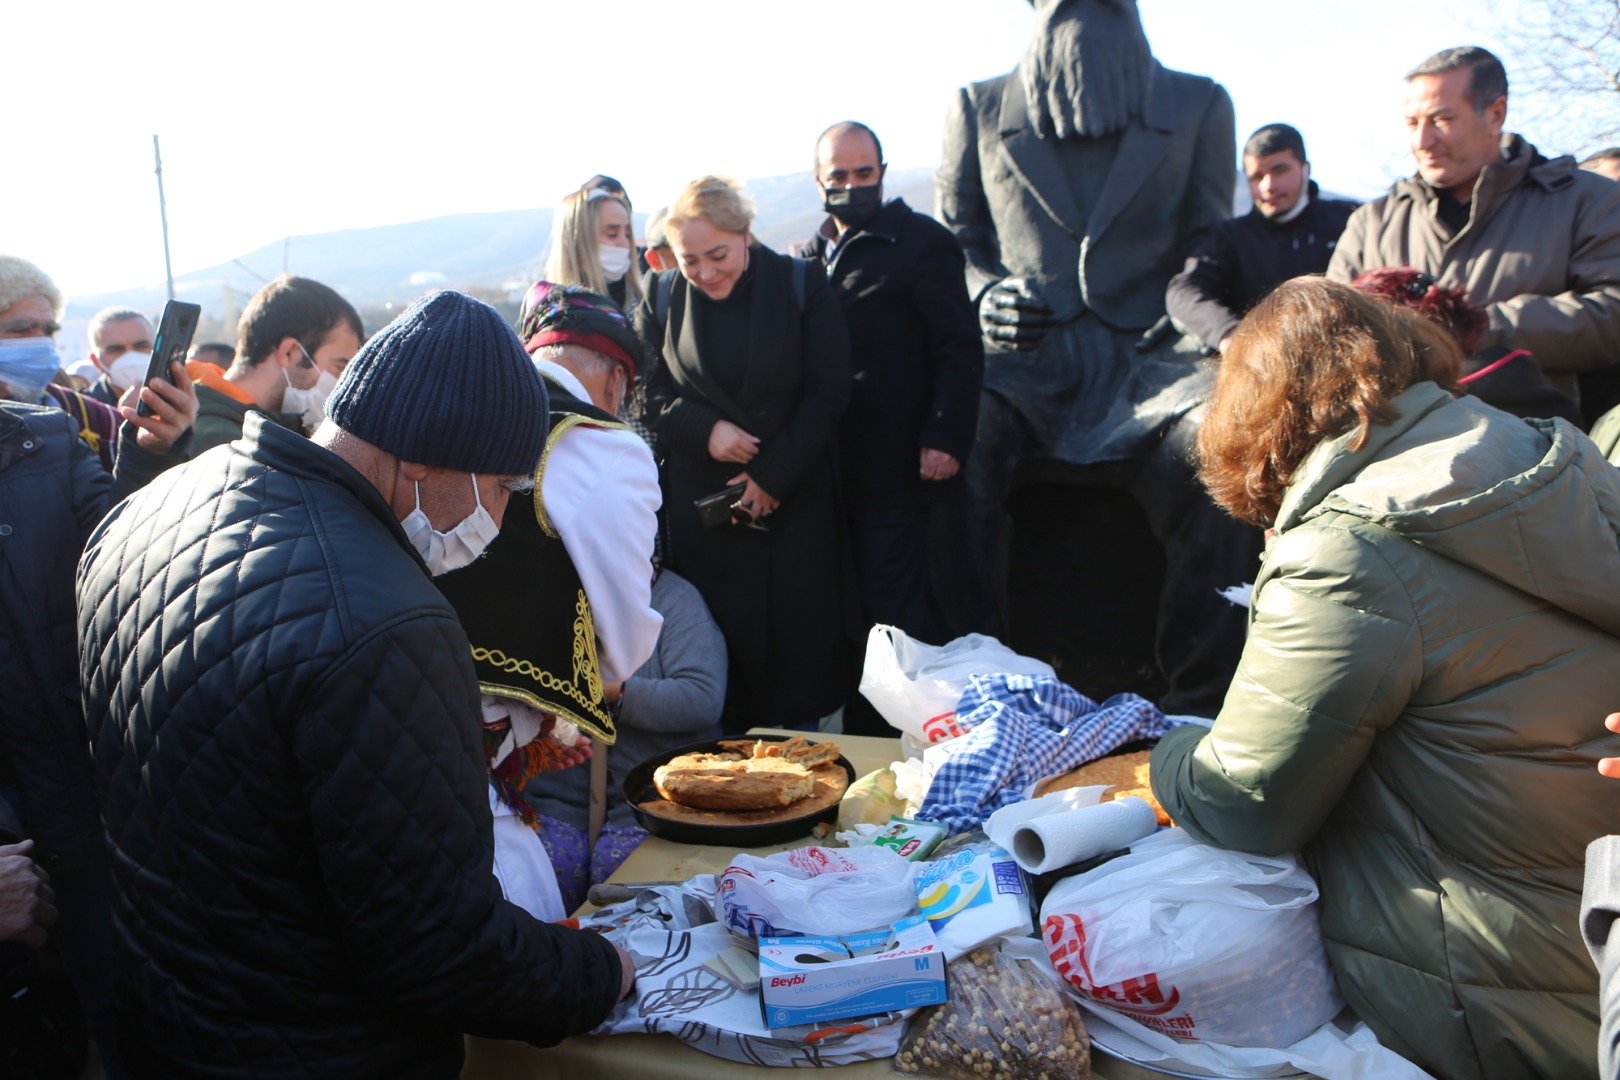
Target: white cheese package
column 974, row 895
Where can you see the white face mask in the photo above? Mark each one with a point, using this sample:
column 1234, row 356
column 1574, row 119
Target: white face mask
column 129, row 370
column 615, row 261
column 309, row 404
column 447, row 551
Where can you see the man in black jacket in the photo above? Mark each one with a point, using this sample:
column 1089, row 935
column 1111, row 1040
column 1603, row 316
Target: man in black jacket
column 288, row 740
column 918, row 366
column 1290, row 231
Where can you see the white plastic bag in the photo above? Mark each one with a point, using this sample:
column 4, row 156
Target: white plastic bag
column 1196, row 942
column 915, row 686
column 815, row 890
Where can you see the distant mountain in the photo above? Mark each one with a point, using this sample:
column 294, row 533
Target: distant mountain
column 392, row 264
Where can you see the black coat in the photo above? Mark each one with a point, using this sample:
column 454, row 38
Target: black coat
column 917, row 358
column 1238, row 261
column 779, row 597
column 53, row 490
column 295, row 789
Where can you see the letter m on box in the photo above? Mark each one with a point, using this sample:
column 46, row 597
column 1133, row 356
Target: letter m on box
column 921, row 963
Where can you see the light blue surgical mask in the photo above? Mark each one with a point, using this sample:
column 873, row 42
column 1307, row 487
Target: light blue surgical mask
column 27, row 365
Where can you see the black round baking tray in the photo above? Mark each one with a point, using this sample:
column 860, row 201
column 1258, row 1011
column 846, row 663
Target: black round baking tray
column 638, row 788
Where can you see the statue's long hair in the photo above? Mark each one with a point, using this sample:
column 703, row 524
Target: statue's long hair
column 1088, row 70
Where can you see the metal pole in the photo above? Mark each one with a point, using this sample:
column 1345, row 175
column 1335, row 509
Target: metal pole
column 163, row 212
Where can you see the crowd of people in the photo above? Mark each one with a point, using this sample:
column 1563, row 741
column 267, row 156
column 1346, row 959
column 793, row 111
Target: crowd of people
column 327, row 654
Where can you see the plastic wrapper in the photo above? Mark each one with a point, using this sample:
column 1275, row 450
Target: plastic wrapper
column 870, row 801
column 815, row 890
column 1004, row 1019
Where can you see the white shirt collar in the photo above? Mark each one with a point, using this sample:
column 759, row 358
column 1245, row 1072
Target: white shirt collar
column 550, row 369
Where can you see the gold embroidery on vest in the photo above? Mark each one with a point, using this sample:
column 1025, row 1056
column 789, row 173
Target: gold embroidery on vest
column 534, row 673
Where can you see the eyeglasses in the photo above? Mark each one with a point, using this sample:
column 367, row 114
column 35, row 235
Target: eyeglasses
column 518, row 485
column 308, row 361
column 24, row 328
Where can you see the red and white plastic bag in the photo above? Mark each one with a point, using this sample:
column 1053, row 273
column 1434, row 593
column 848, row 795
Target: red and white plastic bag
column 1196, row 942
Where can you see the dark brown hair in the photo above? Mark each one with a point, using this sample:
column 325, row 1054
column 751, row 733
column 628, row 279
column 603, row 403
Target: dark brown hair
column 1313, row 360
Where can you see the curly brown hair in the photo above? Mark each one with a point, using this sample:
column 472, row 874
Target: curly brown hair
column 1313, row 360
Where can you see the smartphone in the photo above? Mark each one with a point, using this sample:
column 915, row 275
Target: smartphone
column 174, row 333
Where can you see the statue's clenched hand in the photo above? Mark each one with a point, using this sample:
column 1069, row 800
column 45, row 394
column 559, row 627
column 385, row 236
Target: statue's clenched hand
column 1012, row 314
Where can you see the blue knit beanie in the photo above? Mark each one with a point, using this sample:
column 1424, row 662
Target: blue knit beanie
column 446, row 384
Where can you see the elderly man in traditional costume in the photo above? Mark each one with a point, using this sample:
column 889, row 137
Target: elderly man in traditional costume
column 559, row 612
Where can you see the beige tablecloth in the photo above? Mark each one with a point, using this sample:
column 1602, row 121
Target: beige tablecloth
column 632, row 1057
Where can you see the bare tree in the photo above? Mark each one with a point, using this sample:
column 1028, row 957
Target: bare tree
column 1563, row 57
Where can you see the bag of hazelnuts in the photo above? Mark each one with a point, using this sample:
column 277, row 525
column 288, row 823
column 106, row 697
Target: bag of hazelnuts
column 1004, row 1019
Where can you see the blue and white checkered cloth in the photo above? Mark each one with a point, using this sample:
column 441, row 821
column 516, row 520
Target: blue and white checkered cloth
column 1024, row 728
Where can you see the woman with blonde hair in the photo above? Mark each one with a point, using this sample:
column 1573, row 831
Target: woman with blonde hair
column 1433, row 626
column 749, row 376
column 593, row 243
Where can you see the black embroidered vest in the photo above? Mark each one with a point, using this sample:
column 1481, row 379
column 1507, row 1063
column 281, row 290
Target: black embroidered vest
column 524, row 609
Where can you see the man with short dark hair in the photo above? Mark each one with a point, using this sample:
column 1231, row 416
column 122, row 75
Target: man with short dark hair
column 1534, row 241
column 293, row 332
column 217, row 353
column 918, row 361
column 121, row 350
column 1290, row 231
column 290, row 757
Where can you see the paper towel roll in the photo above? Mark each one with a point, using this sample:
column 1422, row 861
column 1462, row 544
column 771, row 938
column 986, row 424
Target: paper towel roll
column 1059, row 840
column 1001, row 825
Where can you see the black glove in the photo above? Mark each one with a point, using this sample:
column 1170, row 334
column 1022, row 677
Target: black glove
column 1012, row 313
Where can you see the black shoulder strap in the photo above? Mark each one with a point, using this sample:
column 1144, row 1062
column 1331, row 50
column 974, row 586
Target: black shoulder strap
column 662, row 286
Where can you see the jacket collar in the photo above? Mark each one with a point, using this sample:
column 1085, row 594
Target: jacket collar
column 1332, row 464
column 1142, row 146
column 885, row 225
column 17, row 439
column 1520, row 163
column 275, row 447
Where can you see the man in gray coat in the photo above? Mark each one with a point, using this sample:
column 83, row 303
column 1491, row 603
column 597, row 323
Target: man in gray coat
column 1535, row 241
column 1075, row 198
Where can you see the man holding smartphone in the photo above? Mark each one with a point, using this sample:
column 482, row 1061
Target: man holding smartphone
column 293, row 332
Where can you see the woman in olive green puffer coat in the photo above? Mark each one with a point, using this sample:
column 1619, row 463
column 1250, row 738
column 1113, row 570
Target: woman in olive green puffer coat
column 1434, row 635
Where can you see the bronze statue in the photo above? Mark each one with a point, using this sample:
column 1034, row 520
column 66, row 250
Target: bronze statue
column 1075, row 185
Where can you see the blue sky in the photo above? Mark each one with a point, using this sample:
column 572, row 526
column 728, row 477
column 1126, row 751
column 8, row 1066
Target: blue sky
column 300, row 117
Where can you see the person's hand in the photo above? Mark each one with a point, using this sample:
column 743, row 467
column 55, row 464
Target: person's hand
column 1610, row 766
column 627, row 973
column 938, row 465
column 728, row 442
column 27, row 904
column 563, row 757
column 1012, row 313
column 755, row 499
column 173, row 409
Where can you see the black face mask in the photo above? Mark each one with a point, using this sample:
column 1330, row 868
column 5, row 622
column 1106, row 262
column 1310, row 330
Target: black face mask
column 853, row 206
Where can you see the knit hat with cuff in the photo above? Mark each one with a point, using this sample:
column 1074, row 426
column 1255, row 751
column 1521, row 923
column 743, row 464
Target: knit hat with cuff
column 446, row 384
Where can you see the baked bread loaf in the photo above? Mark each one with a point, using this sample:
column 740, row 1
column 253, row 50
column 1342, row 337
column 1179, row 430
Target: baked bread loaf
column 1125, row 774
column 721, row 782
